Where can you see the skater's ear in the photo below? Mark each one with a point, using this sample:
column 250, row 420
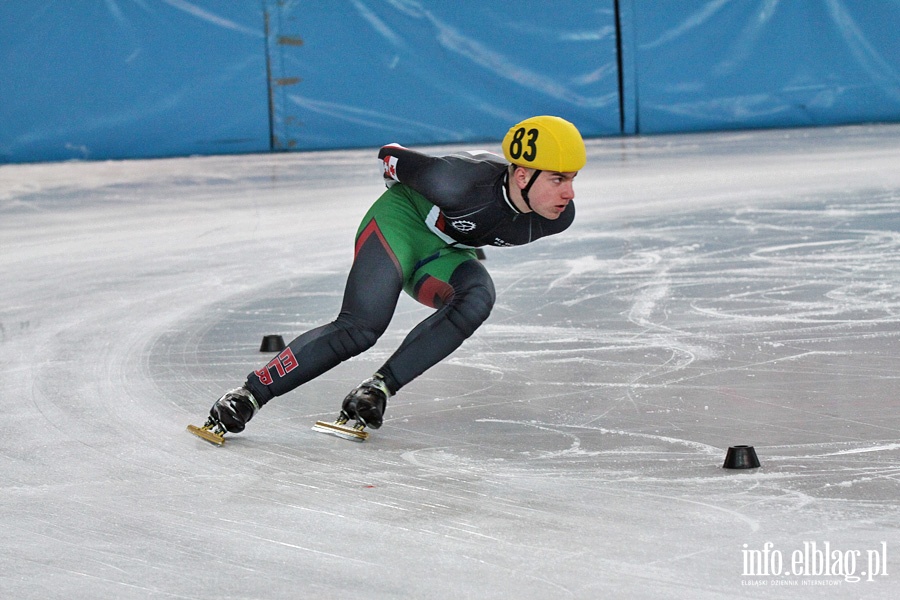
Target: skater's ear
column 522, row 176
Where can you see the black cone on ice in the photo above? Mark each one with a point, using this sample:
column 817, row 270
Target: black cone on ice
column 741, row 457
column 272, row 343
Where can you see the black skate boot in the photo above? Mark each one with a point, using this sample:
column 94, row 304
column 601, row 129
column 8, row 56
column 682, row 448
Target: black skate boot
column 367, row 402
column 234, row 409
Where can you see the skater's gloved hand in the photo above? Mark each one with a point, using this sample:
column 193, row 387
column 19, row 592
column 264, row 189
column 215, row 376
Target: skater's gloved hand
column 389, row 163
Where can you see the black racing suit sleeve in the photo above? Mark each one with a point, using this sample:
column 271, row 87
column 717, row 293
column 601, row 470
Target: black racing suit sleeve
column 406, row 166
column 449, row 181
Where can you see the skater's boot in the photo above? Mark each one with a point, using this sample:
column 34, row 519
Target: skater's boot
column 234, row 409
column 367, row 402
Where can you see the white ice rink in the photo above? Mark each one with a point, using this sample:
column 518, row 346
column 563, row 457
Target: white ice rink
column 715, row 290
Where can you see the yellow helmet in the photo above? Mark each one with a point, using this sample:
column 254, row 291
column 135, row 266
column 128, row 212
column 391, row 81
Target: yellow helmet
column 545, row 143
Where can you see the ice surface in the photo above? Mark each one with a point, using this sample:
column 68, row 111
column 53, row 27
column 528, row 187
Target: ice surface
column 715, row 290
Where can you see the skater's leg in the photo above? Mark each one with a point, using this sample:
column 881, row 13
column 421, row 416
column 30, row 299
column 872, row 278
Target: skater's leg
column 391, row 241
column 370, row 297
column 464, row 300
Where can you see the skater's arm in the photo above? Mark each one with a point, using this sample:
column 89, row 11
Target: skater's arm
column 447, row 181
column 405, row 166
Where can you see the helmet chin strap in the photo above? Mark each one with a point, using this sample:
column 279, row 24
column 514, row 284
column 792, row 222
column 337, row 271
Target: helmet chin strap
column 527, row 188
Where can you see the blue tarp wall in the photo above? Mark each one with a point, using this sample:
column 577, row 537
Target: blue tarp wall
column 117, row 79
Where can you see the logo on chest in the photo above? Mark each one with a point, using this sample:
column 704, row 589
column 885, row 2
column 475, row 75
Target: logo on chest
column 463, row 226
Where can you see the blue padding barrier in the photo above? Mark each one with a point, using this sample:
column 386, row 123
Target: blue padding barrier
column 371, row 71
column 152, row 78
column 718, row 64
column 97, row 80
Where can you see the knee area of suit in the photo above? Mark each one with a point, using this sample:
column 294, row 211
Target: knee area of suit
column 472, row 307
column 366, row 337
column 358, row 338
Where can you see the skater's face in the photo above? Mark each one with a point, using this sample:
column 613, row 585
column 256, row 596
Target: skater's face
column 551, row 192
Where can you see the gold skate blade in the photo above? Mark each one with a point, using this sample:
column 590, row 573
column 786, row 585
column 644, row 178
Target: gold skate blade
column 341, row 431
column 207, row 435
